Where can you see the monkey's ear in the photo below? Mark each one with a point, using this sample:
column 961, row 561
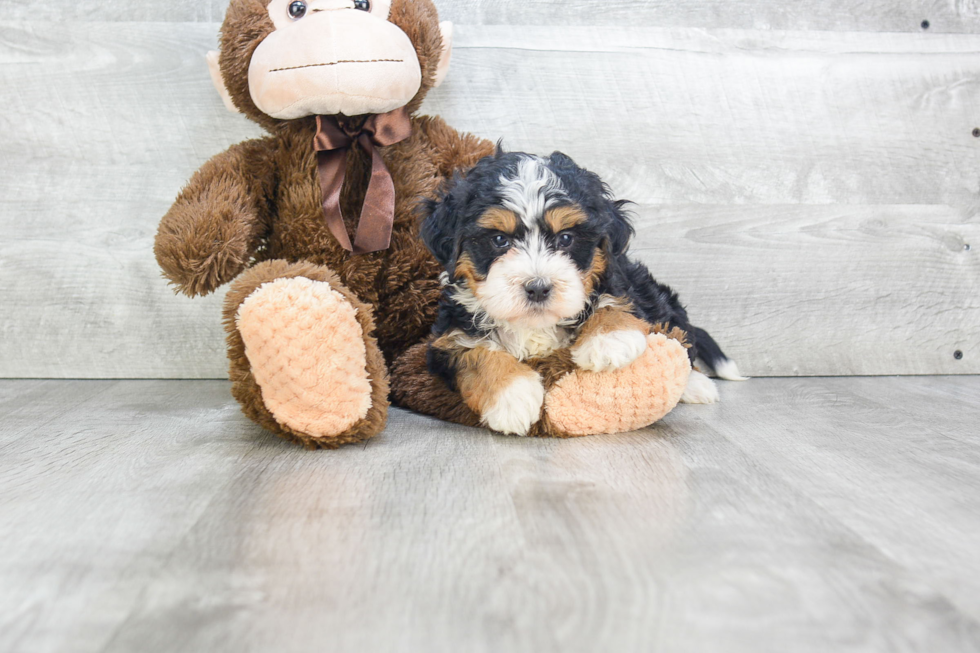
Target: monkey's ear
column 447, row 52
column 219, row 82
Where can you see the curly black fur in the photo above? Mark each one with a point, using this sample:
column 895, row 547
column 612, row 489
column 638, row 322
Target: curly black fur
column 450, row 229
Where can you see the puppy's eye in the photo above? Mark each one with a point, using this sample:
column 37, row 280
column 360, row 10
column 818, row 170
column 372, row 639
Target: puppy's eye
column 500, row 241
column 297, row 9
column 363, row 5
column 565, row 240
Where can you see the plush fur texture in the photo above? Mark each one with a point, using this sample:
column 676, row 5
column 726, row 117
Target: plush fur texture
column 245, row 387
column 224, row 221
column 252, row 217
column 628, row 398
column 293, row 355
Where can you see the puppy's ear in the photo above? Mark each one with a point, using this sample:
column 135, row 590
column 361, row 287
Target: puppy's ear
column 439, row 230
column 585, row 183
column 563, row 162
column 500, row 151
column 597, row 197
column 620, row 230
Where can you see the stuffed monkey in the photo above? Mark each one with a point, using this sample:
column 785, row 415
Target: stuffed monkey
column 316, row 227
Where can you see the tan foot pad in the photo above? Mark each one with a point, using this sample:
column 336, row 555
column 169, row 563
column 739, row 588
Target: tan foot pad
column 586, row 403
column 307, row 354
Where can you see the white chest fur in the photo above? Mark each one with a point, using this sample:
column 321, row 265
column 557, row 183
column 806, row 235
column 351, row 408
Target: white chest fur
column 524, row 343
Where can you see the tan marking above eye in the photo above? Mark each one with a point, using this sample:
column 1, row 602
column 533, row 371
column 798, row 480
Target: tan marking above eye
column 565, row 217
column 499, row 219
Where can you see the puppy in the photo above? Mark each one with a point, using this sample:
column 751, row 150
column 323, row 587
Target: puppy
column 535, row 251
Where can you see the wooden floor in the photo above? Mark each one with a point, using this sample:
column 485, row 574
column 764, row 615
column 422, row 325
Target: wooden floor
column 797, row 515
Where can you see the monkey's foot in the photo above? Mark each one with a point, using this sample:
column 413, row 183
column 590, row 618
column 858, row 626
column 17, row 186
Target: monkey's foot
column 633, row 397
column 307, row 354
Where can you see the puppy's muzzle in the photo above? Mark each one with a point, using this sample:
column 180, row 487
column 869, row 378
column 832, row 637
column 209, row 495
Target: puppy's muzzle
column 538, row 291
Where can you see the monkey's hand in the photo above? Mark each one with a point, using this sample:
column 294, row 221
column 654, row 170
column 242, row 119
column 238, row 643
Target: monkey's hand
column 610, row 340
column 211, row 232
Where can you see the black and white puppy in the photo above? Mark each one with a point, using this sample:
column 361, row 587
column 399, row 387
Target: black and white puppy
column 534, row 249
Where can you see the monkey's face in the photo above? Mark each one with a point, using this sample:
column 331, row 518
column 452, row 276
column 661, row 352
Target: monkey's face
column 329, row 57
column 282, row 60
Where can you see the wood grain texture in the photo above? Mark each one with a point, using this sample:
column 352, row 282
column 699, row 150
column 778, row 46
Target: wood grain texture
column 820, row 290
column 796, row 515
column 208, row 11
column 103, row 124
column 731, row 117
column 833, row 15
column 838, row 454
column 813, row 196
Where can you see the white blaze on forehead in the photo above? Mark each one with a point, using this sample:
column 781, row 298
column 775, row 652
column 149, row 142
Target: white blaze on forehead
column 532, row 191
column 540, row 261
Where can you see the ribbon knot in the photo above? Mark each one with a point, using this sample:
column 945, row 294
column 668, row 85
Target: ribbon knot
column 332, row 144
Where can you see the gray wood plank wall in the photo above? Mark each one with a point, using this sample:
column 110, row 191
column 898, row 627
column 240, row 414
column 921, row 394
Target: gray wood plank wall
column 806, row 176
column 840, row 15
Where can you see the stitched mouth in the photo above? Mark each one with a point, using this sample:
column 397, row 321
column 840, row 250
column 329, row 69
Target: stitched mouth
column 336, row 63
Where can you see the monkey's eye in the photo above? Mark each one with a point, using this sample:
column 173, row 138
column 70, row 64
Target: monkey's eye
column 297, row 9
column 565, row 240
column 500, row 241
column 363, row 5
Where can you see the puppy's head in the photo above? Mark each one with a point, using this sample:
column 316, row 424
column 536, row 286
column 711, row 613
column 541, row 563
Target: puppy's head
column 525, row 239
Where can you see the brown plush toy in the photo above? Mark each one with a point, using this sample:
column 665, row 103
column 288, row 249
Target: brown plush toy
column 316, row 226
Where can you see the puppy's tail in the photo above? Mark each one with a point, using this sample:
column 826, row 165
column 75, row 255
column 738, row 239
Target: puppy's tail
column 712, row 356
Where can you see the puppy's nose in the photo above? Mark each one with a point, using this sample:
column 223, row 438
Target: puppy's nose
column 538, row 290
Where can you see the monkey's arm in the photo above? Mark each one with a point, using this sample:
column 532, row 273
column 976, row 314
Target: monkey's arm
column 219, row 220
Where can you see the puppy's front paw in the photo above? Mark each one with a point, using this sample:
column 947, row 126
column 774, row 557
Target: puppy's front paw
column 700, row 390
column 517, row 407
column 609, row 351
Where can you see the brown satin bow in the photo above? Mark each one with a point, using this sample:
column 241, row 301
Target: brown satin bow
column 332, row 144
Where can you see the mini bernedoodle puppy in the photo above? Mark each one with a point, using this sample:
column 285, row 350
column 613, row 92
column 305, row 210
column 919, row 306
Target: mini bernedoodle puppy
column 535, row 251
